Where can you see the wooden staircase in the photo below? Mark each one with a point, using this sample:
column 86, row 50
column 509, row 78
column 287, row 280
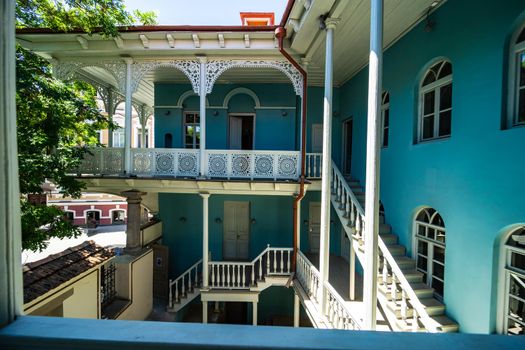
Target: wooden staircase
column 408, row 303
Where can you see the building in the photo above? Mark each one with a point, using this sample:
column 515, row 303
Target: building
column 257, row 171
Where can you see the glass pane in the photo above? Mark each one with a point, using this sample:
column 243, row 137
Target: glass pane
column 516, row 308
column 423, row 216
column 438, row 286
column 439, row 254
column 422, row 247
column 421, row 230
column 422, row 263
column 517, row 260
column 445, row 99
column 428, row 102
column 438, row 220
column 431, row 233
column 428, row 127
column 387, row 117
column 438, row 270
column 445, row 123
column 446, row 70
column 440, row 237
column 521, row 107
column 521, row 66
column 516, row 287
column 429, row 78
column 521, row 37
column 385, row 137
column 189, row 118
column 197, row 119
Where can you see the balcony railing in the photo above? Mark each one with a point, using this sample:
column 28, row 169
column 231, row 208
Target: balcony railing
column 172, row 162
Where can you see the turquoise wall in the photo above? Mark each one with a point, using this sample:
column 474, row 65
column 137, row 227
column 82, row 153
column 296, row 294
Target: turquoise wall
column 475, row 177
column 273, row 131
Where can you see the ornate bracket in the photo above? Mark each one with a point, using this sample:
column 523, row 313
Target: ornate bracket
column 190, row 68
column 215, row 68
column 66, row 70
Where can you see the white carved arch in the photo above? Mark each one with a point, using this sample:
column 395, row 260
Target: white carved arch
column 186, row 95
column 243, row 91
column 215, row 68
column 190, row 68
column 66, row 70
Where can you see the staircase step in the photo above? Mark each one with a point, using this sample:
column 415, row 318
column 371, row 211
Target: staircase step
column 432, row 306
column 389, row 238
column 442, row 323
column 420, row 289
column 385, row 228
column 405, row 263
column 411, row 276
column 394, row 249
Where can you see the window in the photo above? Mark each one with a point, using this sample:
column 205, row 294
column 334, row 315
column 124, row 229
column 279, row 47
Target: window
column 430, row 249
column 192, row 130
column 139, row 138
column 517, row 74
column 118, row 137
column 514, row 275
column 435, row 102
column 385, row 118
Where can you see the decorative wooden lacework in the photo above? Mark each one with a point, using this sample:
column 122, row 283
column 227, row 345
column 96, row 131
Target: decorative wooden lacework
column 190, row 68
column 215, row 68
column 66, row 70
column 169, row 162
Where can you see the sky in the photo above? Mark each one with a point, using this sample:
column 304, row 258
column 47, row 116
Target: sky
column 205, row 12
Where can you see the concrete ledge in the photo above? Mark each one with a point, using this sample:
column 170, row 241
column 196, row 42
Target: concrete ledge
column 61, row 333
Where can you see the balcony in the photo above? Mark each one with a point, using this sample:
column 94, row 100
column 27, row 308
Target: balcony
column 186, row 163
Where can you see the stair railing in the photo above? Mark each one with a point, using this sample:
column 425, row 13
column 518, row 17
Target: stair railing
column 186, row 282
column 244, row 275
column 356, row 216
column 309, row 277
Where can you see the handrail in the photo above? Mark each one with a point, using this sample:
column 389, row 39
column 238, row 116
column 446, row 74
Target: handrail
column 341, row 312
column 348, row 189
column 181, row 278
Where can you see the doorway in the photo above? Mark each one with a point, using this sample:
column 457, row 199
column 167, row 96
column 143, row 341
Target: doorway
column 236, row 240
column 317, row 138
column 347, row 146
column 92, row 218
column 314, row 226
column 242, row 127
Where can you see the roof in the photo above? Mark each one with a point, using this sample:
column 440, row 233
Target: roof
column 49, row 273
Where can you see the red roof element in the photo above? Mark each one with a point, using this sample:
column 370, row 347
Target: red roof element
column 257, row 18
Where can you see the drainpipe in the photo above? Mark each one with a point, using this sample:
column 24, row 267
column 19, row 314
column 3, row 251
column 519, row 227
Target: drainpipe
column 280, row 33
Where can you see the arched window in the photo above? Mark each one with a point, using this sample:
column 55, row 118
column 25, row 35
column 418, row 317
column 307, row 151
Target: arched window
column 514, row 277
column 435, row 102
column 517, row 80
column 429, row 231
column 385, row 118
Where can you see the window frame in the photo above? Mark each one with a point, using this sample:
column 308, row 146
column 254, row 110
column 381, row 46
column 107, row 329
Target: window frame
column 516, row 49
column 385, row 106
column 139, row 137
column 431, row 244
column 119, row 135
column 184, row 124
column 434, row 86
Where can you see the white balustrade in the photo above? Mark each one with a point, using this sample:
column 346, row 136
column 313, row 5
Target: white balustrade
column 253, row 164
column 102, row 161
column 184, row 284
column 165, row 162
column 337, row 313
column 313, row 165
column 392, row 277
column 244, row 275
column 308, row 276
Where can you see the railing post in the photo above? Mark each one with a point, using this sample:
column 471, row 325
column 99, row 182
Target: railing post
column 205, row 256
column 127, row 117
column 296, row 310
column 352, row 270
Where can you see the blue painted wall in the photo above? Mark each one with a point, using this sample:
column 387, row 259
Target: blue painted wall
column 475, row 177
column 273, row 131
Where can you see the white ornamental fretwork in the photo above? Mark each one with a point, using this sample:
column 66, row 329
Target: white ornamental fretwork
column 215, row 68
column 190, row 68
column 66, row 70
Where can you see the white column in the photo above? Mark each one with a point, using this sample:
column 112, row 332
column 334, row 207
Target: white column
column 324, row 247
column 352, row 272
column 296, row 310
column 372, row 165
column 205, row 255
column 143, row 122
column 204, row 312
column 111, row 107
column 127, row 117
column 254, row 313
column 11, row 288
column 202, row 114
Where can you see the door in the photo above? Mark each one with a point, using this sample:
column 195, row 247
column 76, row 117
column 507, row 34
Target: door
column 242, row 132
column 347, row 146
column 317, row 138
column 160, row 271
column 314, row 226
column 236, row 240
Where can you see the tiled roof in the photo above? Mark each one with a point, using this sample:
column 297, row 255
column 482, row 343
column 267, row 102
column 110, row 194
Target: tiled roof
column 44, row 275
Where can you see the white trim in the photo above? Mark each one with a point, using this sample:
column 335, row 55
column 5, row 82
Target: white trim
column 275, row 107
column 241, row 90
column 515, row 50
column 74, row 213
column 182, row 98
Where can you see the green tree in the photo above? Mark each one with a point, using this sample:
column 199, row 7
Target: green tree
column 57, row 120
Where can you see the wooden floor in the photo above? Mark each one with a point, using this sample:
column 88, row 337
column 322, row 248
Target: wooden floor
column 339, row 278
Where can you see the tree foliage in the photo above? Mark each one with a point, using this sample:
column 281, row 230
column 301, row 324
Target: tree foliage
column 57, row 120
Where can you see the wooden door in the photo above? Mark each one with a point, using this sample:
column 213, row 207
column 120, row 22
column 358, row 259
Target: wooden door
column 235, row 132
column 314, row 226
column 347, row 146
column 236, row 241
